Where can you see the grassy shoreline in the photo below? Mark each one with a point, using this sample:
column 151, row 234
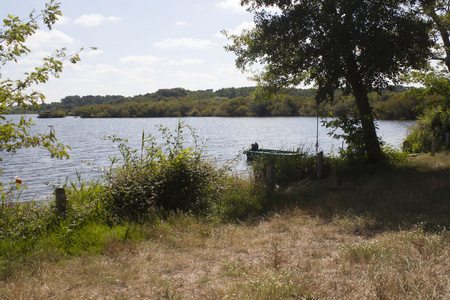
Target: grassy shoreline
column 382, row 234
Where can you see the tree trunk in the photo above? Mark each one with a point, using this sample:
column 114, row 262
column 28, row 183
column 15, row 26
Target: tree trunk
column 443, row 31
column 371, row 143
column 446, row 41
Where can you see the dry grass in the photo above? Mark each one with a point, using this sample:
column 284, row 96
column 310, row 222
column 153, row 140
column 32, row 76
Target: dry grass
column 304, row 252
column 286, row 256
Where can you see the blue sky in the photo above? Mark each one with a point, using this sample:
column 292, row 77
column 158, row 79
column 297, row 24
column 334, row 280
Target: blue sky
column 143, row 45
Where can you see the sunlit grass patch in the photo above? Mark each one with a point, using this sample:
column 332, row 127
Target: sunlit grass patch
column 407, row 264
column 427, row 245
column 364, row 252
column 235, row 269
column 268, row 284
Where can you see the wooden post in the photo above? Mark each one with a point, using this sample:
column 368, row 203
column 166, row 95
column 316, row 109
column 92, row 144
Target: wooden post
column 405, row 146
column 270, row 175
column 61, row 200
column 433, row 147
column 320, row 165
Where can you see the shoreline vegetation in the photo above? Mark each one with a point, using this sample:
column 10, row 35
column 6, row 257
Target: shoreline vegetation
column 395, row 104
column 168, row 223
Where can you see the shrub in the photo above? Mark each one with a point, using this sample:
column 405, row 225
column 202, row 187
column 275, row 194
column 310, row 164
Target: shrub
column 153, row 181
column 434, row 123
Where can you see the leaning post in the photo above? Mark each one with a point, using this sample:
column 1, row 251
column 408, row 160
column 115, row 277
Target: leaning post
column 405, row 146
column 61, row 200
column 270, row 175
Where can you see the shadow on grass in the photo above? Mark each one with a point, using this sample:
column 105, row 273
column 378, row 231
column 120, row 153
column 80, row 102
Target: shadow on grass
column 416, row 193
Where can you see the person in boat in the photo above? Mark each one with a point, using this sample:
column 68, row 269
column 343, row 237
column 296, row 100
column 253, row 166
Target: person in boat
column 255, row 147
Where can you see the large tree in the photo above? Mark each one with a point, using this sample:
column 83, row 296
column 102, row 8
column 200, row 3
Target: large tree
column 356, row 45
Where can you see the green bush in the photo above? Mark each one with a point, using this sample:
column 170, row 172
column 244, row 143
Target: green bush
column 160, row 179
column 419, row 140
column 434, row 122
column 432, row 125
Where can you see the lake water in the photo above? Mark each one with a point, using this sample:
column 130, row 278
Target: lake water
column 225, row 138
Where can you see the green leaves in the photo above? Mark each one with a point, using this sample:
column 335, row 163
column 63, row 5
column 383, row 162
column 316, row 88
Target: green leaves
column 359, row 46
column 18, row 92
column 161, row 177
column 434, row 123
column 51, row 13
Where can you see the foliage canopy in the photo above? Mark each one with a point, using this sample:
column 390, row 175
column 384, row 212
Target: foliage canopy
column 358, row 46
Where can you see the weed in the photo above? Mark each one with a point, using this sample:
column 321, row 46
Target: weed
column 276, row 256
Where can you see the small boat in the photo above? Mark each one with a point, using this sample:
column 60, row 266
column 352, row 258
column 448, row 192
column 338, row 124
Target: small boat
column 256, row 152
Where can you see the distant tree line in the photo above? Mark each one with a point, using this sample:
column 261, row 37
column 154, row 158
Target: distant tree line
column 227, row 102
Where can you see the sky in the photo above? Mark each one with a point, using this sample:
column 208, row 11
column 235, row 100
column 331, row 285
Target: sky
column 142, row 45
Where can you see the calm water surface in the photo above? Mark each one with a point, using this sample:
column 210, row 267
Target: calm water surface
column 225, row 139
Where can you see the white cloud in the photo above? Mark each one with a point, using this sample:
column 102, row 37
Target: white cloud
column 49, row 39
column 186, row 61
column 238, row 29
column 63, row 21
column 109, row 79
column 114, row 19
column 95, row 20
column 181, row 23
column 33, row 59
column 92, row 53
column 95, row 72
column 230, row 76
column 143, row 60
column 139, row 71
column 193, row 80
column 185, row 43
column 234, row 5
column 90, row 20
